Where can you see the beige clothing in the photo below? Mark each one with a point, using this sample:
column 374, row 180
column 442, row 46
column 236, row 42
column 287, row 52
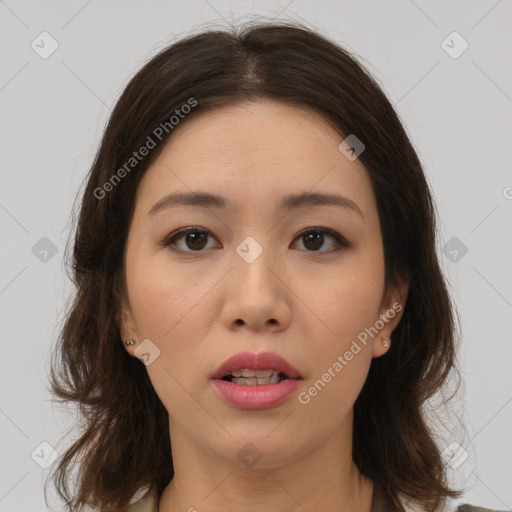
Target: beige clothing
column 149, row 504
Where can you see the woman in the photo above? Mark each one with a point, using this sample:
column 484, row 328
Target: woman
column 260, row 314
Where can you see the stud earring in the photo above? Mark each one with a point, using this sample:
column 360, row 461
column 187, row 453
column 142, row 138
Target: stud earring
column 129, row 342
column 386, row 344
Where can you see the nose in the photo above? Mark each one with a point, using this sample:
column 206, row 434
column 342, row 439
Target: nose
column 256, row 296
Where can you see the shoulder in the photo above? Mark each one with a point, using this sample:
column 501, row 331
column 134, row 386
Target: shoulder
column 466, row 507
column 452, row 506
column 143, row 501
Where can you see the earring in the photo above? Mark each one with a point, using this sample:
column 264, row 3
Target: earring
column 386, row 344
column 129, row 342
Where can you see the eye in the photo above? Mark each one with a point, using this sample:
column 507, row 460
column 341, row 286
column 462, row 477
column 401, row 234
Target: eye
column 314, row 239
column 195, row 239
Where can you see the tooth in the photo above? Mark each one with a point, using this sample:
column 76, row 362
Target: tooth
column 246, row 381
column 263, row 373
column 253, row 373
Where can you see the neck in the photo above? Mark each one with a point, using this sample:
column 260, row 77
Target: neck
column 323, row 479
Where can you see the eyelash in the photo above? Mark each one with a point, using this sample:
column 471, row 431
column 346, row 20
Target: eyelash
column 340, row 242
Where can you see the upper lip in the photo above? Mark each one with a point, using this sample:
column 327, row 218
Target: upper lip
column 259, row 361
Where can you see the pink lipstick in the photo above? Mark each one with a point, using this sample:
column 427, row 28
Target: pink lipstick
column 256, row 381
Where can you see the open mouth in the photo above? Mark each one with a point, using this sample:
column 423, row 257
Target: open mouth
column 255, row 381
column 255, row 377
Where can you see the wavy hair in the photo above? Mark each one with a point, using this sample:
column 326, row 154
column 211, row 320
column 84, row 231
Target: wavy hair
column 124, row 444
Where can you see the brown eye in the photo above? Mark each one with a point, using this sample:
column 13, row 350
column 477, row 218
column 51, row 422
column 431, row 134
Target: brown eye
column 195, row 239
column 314, row 241
column 315, row 238
column 188, row 239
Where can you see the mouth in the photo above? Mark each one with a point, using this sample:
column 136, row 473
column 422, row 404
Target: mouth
column 248, row 377
column 255, row 381
column 250, row 369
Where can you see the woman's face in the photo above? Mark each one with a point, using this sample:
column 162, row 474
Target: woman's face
column 274, row 268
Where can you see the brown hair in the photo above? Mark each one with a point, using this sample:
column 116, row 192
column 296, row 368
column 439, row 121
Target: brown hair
column 125, row 443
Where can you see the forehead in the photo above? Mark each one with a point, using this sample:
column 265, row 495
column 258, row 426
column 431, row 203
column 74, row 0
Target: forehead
column 255, row 130
column 253, row 154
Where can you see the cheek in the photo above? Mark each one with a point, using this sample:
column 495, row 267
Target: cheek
column 346, row 300
column 167, row 308
column 330, row 397
column 162, row 297
column 171, row 309
column 340, row 359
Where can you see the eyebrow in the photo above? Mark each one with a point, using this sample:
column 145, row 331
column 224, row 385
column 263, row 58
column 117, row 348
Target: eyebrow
column 288, row 203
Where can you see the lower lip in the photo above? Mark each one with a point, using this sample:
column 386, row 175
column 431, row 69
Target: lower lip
column 255, row 397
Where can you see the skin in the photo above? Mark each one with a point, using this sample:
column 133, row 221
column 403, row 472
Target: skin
column 307, row 305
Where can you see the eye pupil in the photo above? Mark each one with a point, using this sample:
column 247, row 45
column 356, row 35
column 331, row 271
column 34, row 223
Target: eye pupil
column 315, row 238
column 194, row 239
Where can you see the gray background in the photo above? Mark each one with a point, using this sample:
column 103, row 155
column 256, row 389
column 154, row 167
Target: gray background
column 456, row 110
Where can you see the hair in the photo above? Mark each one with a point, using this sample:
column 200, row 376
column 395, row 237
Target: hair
column 125, row 443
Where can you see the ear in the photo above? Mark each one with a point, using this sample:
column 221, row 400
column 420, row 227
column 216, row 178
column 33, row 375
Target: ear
column 126, row 325
column 390, row 314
